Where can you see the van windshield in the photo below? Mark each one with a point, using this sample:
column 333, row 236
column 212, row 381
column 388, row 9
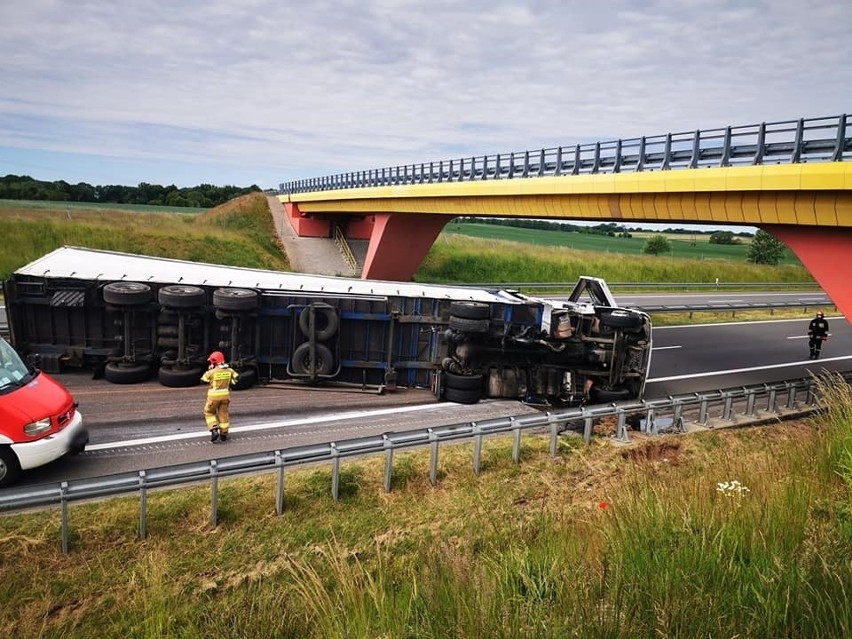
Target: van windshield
column 14, row 372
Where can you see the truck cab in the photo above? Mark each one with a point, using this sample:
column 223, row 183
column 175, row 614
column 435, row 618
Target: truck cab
column 39, row 420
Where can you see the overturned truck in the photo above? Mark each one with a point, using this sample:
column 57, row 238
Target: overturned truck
column 130, row 318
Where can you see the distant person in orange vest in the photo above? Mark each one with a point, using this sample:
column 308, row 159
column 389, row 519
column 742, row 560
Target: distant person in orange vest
column 220, row 377
column 817, row 334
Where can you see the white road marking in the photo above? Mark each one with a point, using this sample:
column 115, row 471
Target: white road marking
column 664, row 348
column 278, row 424
column 732, row 371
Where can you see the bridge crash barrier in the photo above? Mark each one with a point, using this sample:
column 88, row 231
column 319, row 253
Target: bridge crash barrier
column 741, row 406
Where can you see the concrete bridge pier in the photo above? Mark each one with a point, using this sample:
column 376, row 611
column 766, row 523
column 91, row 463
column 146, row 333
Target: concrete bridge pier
column 827, row 253
column 399, row 244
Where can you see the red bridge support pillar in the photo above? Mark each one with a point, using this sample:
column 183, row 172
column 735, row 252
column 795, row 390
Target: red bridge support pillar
column 825, row 252
column 399, row 244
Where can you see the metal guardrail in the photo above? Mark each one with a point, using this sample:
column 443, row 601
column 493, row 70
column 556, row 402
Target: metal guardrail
column 345, row 251
column 584, row 418
column 824, row 139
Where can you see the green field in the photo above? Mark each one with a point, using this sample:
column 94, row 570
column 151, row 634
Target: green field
column 682, row 246
column 47, row 205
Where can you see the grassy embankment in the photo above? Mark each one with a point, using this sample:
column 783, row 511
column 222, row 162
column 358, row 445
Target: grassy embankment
column 729, row 533
column 238, row 233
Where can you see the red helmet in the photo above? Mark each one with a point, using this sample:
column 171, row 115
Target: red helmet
column 216, row 358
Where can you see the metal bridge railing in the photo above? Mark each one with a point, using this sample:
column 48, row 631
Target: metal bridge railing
column 781, row 399
column 825, row 139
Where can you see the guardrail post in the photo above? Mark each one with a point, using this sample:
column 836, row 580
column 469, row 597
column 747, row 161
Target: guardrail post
column 279, row 485
column 771, row 403
column 677, row 417
column 791, row 395
column 751, row 396
column 651, row 421
column 143, row 506
column 588, row 425
column 433, row 463
column 214, row 493
column 516, row 441
column 63, row 496
column 554, row 432
column 335, row 471
column 388, row 461
column 727, row 411
column 621, row 429
column 702, row 411
column 477, row 447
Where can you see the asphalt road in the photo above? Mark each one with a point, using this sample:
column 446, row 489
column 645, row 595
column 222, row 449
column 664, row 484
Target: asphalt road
column 148, row 425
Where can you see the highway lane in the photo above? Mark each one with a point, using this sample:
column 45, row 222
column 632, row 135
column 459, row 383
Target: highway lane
column 147, row 425
column 805, row 298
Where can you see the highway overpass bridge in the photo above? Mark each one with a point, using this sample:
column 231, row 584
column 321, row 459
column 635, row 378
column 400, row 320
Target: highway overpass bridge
column 792, row 179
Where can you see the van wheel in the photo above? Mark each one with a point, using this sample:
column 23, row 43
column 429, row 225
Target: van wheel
column 10, row 468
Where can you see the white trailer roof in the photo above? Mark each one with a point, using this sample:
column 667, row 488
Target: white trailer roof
column 108, row 266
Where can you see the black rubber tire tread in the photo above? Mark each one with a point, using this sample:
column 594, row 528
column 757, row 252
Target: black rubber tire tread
column 463, row 382
column 301, row 360
column 235, row 299
column 181, row 296
column 607, row 395
column 127, row 293
column 248, row 378
column 621, row 319
column 10, row 467
column 326, row 321
column 470, row 310
column 127, row 373
column 462, row 396
column 180, row 377
column 467, row 325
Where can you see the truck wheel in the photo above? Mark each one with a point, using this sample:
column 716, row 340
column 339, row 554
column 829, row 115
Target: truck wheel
column 467, row 325
column 247, row 378
column 127, row 293
column 621, row 319
column 10, row 468
column 462, row 382
column 326, row 322
column 235, row 299
column 301, row 360
column 178, row 296
column 180, row 377
column 608, row 395
column 119, row 373
column 470, row 310
column 462, row 396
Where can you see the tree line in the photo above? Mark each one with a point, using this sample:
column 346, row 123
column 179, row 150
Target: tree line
column 24, row 187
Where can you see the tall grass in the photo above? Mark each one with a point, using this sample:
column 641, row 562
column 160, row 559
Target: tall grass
column 726, row 533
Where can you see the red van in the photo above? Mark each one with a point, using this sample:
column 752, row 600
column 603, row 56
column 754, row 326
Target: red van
column 39, row 421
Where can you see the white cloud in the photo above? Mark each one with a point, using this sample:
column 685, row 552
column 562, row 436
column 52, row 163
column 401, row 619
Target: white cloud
column 297, row 88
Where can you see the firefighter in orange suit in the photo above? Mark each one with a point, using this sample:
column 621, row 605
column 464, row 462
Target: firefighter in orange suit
column 220, row 377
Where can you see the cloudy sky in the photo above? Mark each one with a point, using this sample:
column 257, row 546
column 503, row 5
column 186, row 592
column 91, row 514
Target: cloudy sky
column 260, row 92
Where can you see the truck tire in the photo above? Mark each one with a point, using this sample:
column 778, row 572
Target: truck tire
column 127, row 293
column 301, row 360
column 10, row 467
column 119, row 373
column 178, row 296
column 463, row 382
column 621, row 319
column 470, row 310
column 235, row 299
column 467, row 325
column 462, row 396
column 609, row 395
column 180, row 377
column 326, row 322
column 247, row 378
